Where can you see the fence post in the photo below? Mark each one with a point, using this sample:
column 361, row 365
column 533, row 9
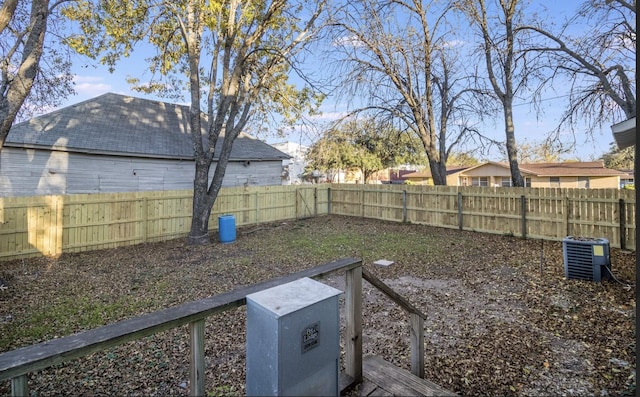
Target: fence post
column 623, row 224
column 353, row 334
column 20, row 386
column 145, row 218
column 329, row 201
column 523, row 206
column 315, row 202
column 404, row 206
column 417, row 345
column 196, row 363
column 566, row 216
column 459, row 210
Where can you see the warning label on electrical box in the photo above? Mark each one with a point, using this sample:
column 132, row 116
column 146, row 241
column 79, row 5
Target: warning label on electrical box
column 310, row 337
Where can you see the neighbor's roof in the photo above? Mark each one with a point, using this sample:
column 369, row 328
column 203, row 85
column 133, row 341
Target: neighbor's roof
column 122, row 125
column 592, row 168
column 426, row 173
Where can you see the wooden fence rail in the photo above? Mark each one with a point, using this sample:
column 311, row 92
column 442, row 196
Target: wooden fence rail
column 52, row 225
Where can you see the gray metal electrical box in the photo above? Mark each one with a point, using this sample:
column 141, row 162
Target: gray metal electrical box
column 293, row 340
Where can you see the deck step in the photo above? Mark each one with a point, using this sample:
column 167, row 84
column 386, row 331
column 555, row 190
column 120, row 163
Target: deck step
column 397, row 381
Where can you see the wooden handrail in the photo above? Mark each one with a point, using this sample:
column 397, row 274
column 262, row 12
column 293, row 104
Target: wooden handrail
column 45, row 354
column 396, row 297
column 416, row 320
column 16, row 364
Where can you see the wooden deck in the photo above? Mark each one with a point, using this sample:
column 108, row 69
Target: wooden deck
column 381, row 378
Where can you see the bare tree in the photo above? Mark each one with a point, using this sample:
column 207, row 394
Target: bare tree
column 599, row 61
column 33, row 69
column 400, row 57
column 506, row 69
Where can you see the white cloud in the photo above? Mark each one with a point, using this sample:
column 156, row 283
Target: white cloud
column 329, row 116
column 454, row 43
column 352, row 41
column 91, row 85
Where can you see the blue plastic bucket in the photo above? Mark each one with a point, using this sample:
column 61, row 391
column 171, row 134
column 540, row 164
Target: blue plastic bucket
column 227, row 228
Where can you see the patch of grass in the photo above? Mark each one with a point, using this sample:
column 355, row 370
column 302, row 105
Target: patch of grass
column 223, row 391
column 369, row 245
column 68, row 315
column 314, row 246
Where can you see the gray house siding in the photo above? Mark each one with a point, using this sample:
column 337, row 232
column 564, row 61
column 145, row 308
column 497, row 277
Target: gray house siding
column 116, row 143
column 34, row 172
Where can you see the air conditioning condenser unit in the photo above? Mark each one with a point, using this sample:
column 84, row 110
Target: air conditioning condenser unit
column 586, row 258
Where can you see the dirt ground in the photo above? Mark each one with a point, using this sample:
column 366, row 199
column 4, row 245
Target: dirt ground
column 501, row 317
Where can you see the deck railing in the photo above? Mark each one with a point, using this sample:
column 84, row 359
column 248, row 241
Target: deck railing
column 15, row 365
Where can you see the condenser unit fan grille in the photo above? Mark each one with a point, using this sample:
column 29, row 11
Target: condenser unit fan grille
column 586, row 258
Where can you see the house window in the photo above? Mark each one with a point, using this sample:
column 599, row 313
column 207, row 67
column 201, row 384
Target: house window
column 506, row 181
column 626, row 182
column 527, row 182
column 583, row 182
column 554, row 181
column 480, row 181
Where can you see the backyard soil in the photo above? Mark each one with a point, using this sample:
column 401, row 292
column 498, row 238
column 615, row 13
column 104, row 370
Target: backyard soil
column 501, row 317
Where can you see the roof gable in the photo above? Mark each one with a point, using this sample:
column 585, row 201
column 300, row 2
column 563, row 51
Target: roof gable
column 126, row 126
column 486, row 164
column 426, row 173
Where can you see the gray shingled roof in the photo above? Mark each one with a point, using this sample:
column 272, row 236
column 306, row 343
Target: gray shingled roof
column 126, row 126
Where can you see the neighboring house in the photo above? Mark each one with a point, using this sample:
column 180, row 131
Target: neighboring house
column 293, row 167
column 391, row 175
column 116, row 143
column 565, row 175
column 424, row 177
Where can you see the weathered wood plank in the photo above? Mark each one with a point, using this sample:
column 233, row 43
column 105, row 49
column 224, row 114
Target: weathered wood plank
column 417, row 345
column 367, row 388
column 20, row 386
column 399, row 382
column 196, row 362
column 397, row 298
column 353, row 314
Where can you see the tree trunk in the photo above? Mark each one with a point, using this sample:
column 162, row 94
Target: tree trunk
column 438, row 173
column 205, row 195
column 512, row 150
column 17, row 90
column 202, row 205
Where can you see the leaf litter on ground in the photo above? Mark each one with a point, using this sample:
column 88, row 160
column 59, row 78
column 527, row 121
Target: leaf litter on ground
column 501, row 317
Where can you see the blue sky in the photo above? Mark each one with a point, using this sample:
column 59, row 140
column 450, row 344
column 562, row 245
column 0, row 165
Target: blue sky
column 92, row 80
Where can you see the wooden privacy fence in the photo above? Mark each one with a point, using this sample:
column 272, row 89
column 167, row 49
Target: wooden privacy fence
column 541, row 213
column 51, row 225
